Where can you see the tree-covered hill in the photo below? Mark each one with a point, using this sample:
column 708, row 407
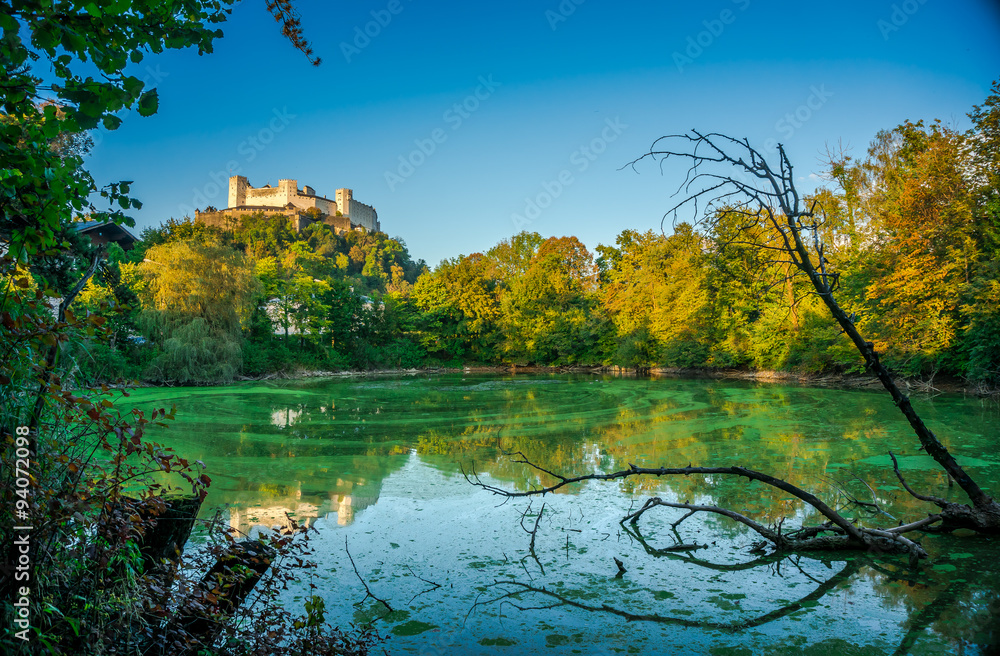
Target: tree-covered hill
column 914, row 237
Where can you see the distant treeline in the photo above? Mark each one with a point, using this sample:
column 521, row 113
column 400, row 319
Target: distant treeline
column 912, row 228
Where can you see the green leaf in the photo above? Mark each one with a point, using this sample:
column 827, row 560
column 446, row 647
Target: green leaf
column 93, row 10
column 133, row 85
column 149, row 102
column 45, row 36
column 112, row 122
column 50, row 129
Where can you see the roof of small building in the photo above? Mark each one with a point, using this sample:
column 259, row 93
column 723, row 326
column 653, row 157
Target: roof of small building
column 109, row 231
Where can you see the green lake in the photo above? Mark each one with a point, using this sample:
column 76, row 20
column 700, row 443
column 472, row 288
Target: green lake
column 378, row 462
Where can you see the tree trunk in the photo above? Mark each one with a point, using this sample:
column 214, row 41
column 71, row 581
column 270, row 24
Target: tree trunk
column 219, row 594
column 985, row 512
column 171, row 528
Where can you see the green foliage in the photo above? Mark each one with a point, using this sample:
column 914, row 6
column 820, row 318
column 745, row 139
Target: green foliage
column 195, row 353
column 637, row 350
column 196, row 297
column 550, row 312
column 95, row 482
column 912, row 230
column 685, row 350
column 980, row 341
column 87, row 48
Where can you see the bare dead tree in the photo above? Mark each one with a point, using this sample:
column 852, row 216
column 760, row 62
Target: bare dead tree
column 728, row 174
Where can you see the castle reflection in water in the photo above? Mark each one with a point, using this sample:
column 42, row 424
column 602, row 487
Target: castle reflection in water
column 249, row 517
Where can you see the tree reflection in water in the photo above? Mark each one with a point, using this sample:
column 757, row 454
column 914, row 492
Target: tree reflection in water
column 981, row 632
column 380, row 461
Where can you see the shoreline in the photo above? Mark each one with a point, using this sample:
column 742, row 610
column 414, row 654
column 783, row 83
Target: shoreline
column 822, row 380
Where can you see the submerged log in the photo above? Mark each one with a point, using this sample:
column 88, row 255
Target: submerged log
column 158, row 525
column 219, row 594
column 171, row 521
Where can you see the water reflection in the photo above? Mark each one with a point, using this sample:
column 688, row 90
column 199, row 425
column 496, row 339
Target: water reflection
column 339, row 507
column 381, row 461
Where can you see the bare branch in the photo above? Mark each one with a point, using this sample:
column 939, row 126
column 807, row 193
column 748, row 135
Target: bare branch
column 368, row 591
column 742, row 519
column 519, row 589
column 431, row 589
column 770, row 189
column 938, row 501
column 532, row 532
column 633, row 470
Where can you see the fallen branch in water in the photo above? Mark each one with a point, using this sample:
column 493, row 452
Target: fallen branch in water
column 533, row 532
column 368, row 591
column 431, row 589
column 837, row 533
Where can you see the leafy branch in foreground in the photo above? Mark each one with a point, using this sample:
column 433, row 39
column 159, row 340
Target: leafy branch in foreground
column 103, row 529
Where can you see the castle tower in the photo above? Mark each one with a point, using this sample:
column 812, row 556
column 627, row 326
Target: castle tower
column 344, row 197
column 238, row 185
column 287, row 190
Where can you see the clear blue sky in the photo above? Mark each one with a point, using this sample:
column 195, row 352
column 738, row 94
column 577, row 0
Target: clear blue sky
column 568, row 93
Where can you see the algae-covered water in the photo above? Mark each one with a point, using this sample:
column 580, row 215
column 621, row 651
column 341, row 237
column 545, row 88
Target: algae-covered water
column 378, row 463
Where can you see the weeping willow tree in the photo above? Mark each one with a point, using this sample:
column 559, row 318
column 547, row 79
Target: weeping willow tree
column 196, row 297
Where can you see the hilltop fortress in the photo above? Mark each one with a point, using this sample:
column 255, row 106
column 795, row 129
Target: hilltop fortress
column 303, row 206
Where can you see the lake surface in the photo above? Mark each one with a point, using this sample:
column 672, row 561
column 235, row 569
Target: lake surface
column 378, row 462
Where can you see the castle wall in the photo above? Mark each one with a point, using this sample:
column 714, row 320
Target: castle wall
column 229, row 219
column 324, row 205
column 222, row 220
column 244, row 199
column 362, row 215
column 340, row 224
column 287, row 192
